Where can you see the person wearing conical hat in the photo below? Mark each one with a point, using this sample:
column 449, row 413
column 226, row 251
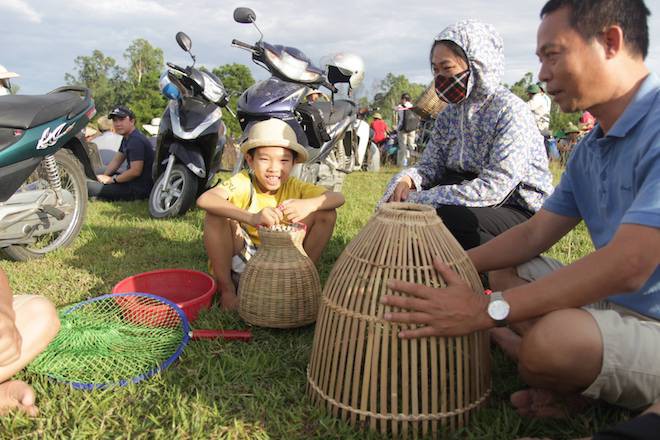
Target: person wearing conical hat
column 540, row 104
column 5, row 77
column 265, row 195
column 571, row 138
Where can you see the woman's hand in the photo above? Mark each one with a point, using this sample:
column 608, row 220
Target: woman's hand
column 402, row 190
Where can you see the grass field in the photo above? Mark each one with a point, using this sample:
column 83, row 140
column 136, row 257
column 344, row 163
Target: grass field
column 225, row 389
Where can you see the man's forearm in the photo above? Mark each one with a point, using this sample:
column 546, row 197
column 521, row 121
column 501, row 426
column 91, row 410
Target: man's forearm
column 620, row 267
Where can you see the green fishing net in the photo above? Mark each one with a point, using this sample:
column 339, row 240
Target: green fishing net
column 113, row 340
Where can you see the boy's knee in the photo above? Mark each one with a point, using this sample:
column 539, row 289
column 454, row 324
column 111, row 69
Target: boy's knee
column 328, row 216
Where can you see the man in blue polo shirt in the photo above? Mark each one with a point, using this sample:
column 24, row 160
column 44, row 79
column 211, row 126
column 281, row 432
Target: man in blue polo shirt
column 592, row 54
column 135, row 182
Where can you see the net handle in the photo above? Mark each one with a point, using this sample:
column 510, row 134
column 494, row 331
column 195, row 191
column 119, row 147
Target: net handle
column 229, row 335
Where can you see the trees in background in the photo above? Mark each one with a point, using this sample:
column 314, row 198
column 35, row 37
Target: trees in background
column 558, row 119
column 389, row 92
column 137, row 85
column 102, row 76
column 236, row 78
column 112, row 85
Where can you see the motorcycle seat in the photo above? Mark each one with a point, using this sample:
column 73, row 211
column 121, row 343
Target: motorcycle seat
column 333, row 113
column 27, row 111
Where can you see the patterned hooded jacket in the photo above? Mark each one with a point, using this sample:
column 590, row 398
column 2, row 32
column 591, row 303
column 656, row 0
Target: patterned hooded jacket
column 492, row 133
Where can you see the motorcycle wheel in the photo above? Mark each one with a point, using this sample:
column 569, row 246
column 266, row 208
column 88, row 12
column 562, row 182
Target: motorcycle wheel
column 179, row 195
column 73, row 180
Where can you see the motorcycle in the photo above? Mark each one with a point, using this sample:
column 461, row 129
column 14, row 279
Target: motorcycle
column 191, row 136
column 326, row 129
column 43, row 162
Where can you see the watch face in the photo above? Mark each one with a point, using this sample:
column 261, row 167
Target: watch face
column 498, row 310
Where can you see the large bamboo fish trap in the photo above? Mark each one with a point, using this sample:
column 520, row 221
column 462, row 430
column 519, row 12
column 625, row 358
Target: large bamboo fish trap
column 280, row 286
column 428, row 105
column 360, row 369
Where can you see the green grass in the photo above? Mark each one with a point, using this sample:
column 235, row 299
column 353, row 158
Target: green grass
column 223, row 389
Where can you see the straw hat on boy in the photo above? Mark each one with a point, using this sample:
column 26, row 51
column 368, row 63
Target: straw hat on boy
column 274, row 133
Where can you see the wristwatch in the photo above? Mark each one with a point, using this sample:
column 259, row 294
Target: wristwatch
column 114, row 179
column 498, row 309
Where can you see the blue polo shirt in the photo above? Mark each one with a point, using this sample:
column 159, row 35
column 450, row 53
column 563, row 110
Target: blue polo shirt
column 614, row 179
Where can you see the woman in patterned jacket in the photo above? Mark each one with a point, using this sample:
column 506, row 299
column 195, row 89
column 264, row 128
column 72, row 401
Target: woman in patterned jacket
column 485, row 169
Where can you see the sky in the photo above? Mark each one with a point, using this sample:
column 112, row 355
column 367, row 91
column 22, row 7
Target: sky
column 41, row 38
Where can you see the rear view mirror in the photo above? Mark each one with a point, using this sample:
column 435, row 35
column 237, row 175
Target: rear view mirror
column 244, row 15
column 184, row 41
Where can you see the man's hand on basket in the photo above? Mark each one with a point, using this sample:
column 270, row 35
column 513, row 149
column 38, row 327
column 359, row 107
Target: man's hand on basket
column 267, row 217
column 453, row 311
column 402, row 190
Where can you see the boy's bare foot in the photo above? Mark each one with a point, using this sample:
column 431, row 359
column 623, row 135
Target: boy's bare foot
column 15, row 394
column 228, row 297
column 538, row 403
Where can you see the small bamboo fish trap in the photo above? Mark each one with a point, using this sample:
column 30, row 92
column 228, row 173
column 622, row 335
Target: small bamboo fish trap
column 428, row 105
column 280, row 286
column 360, row 369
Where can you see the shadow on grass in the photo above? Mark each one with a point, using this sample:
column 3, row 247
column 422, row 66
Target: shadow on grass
column 114, row 253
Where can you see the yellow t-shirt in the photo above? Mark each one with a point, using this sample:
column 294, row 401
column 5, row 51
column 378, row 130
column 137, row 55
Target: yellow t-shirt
column 239, row 187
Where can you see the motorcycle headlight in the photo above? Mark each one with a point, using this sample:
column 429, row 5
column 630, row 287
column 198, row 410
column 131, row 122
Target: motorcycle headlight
column 213, row 91
column 292, row 67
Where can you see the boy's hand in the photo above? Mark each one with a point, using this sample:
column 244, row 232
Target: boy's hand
column 267, row 217
column 296, row 209
column 10, row 339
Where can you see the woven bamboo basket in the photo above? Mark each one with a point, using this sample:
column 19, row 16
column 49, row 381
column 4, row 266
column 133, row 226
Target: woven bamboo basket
column 280, row 286
column 360, row 369
column 428, row 105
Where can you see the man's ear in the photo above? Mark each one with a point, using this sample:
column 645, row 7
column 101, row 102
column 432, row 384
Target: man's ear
column 612, row 41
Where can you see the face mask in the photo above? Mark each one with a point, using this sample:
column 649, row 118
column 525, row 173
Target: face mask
column 452, row 89
column 3, row 91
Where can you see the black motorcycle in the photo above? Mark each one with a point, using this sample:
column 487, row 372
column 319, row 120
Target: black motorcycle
column 191, row 136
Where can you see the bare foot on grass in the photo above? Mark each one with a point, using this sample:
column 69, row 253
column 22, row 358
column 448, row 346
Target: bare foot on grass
column 15, row 394
column 538, row 403
column 228, row 297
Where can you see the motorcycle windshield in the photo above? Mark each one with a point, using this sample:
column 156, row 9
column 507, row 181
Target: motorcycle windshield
column 291, row 64
column 271, row 97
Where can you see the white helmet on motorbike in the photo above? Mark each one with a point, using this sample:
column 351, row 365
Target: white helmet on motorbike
column 346, row 67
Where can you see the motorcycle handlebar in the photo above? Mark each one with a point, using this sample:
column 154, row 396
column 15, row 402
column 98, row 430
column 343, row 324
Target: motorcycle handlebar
column 242, row 45
column 175, row 67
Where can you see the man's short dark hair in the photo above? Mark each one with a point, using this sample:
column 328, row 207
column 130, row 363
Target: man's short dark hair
column 590, row 17
column 405, row 96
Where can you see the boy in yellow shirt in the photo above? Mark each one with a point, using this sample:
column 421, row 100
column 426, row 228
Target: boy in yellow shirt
column 265, row 195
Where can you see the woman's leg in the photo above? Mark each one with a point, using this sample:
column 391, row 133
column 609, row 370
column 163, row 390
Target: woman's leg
column 475, row 226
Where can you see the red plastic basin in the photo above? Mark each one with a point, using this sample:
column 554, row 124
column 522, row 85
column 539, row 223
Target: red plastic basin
column 189, row 289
